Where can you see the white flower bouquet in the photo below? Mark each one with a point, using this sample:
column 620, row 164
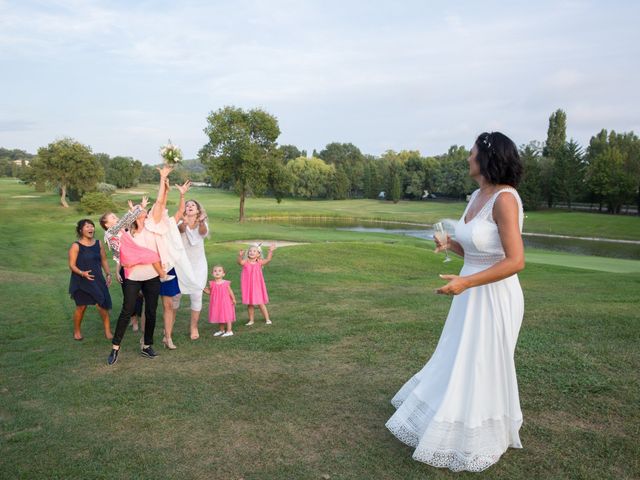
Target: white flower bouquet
column 171, row 153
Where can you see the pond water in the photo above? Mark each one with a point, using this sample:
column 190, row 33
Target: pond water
column 600, row 248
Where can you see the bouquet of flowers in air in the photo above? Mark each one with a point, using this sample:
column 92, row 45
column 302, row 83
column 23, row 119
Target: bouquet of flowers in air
column 171, row 153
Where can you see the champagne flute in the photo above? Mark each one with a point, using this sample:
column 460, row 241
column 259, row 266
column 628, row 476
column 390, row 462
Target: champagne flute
column 441, row 235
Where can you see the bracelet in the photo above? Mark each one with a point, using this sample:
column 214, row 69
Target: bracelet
column 108, row 274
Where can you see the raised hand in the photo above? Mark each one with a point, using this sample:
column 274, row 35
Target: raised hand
column 144, row 202
column 184, row 188
column 165, row 170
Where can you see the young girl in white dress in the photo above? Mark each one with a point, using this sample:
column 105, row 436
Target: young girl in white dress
column 462, row 410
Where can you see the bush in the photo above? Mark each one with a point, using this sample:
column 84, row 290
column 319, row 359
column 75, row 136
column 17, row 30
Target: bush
column 96, row 202
column 106, row 188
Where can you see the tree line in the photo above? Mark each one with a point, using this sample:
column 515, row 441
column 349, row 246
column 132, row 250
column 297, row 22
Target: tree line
column 242, row 154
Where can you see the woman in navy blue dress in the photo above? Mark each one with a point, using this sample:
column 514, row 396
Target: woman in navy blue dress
column 87, row 285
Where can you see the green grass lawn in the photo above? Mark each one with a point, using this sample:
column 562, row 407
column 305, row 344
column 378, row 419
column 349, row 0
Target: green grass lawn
column 307, row 398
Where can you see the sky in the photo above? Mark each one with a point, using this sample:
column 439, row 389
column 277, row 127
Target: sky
column 124, row 76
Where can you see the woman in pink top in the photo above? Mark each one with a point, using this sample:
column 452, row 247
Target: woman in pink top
column 254, row 290
column 222, row 306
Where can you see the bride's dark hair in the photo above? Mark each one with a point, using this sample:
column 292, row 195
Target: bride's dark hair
column 498, row 159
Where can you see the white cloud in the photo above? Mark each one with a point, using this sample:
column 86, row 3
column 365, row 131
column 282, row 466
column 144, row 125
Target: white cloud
column 384, row 75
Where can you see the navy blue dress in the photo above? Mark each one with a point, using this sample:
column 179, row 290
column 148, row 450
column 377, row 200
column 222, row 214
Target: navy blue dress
column 90, row 292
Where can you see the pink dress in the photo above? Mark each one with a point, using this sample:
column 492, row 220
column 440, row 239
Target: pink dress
column 221, row 308
column 254, row 291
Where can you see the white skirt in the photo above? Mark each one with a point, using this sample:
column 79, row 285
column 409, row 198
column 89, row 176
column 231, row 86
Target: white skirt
column 462, row 410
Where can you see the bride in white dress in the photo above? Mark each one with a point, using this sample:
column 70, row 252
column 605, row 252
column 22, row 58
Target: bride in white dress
column 462, row 410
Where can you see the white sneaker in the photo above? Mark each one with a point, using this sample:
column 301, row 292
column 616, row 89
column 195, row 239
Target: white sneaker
column 227, row 334
column 218, row 333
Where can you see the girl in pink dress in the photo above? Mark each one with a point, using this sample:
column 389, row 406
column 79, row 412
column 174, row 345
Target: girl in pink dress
column 254, row 291
column 222, row 305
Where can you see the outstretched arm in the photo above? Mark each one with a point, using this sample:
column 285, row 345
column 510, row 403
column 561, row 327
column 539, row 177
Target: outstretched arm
column 270, row 254
column 126, row 221
column 183, row 189
column 161, row 202
column 203, row 228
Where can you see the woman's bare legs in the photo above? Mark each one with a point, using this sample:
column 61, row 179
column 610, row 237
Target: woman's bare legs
column 195, row 316
column 78, row 314
column 104, row 314
column 169, row 316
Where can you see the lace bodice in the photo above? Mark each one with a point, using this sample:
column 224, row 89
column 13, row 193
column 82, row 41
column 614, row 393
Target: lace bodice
column 479, row 237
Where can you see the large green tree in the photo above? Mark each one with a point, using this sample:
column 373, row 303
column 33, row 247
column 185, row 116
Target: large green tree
column 149, row 174
column 452, row 178
column 376, row 178
column 291, row 152
column 629, row 145
column 242, row 150
column 568, row 173
column 123, row 172
column 554, row 146
column 339, row 185
column 556, row 134
column 530, row 188
column 420, row 174
column 68, row 164
column 311, row 177
column 14, row 163
column 104, row 160
column 609, row 176
column 348, row 158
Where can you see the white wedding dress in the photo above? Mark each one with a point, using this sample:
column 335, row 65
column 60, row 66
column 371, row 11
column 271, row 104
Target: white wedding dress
column 462, row 410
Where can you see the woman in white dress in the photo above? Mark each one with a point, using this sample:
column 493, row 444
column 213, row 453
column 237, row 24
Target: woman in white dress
column 462, row 410
column 193, row 230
